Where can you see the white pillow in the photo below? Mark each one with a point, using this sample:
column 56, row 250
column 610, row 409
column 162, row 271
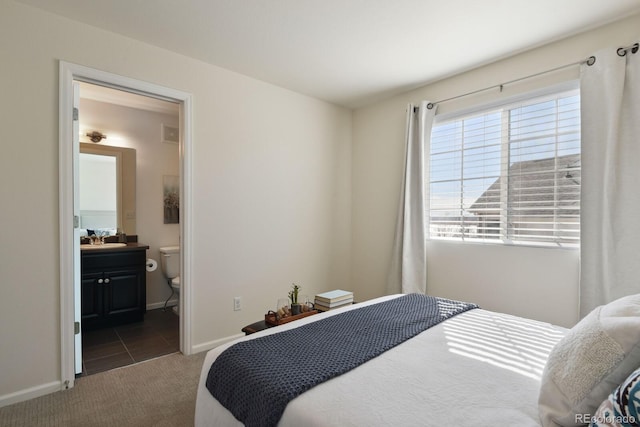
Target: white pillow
column 593, row 358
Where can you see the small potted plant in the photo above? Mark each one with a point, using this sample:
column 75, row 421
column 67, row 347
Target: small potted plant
column 293, row 296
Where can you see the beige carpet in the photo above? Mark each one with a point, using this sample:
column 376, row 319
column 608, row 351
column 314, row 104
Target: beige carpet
column 158, row 392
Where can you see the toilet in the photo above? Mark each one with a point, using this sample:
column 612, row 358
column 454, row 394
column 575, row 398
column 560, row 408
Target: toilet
column 170, row 264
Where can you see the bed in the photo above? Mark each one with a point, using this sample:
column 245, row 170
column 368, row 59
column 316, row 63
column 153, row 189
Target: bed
column 479, row 368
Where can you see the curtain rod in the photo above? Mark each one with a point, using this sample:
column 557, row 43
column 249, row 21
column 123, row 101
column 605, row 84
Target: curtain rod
column 589, row 61
column 622, row 51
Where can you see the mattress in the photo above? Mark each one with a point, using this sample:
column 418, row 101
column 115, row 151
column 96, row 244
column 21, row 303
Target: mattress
column 479, row 368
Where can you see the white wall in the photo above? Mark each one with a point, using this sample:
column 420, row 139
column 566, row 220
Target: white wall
column 141, row 130
column 532, row 282
column 271, row 180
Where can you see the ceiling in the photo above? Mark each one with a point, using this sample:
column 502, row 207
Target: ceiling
column 349, row 52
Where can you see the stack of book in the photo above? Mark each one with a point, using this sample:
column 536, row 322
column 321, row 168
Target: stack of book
column 332, row 300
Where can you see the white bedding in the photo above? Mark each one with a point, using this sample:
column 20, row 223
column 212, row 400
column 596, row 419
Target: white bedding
column 479, row 368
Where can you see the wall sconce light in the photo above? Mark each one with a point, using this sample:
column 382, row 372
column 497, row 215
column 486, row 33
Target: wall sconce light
column 96, row 136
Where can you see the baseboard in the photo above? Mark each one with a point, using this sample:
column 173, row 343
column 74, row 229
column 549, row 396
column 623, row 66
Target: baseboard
column 213, row 344
column 30, row 393
column 155, row 305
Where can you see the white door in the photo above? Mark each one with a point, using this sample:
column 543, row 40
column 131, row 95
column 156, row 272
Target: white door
column 77, row 300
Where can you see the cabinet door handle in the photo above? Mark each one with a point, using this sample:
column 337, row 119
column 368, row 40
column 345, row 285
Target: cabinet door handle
column 100, row 281
column 107, row 280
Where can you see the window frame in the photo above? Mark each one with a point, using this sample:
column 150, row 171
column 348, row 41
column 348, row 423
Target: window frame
column 504, row 104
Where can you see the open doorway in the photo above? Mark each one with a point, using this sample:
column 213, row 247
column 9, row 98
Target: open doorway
column 129, row 150
column 71, row 76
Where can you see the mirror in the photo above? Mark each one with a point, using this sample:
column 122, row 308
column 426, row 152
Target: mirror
column 107, row 188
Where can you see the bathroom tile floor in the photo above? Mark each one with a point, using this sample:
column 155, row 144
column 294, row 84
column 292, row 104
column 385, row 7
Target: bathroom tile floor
column 110, row 348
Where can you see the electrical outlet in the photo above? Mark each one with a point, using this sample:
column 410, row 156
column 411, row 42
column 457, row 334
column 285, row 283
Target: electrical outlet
column 237, row 304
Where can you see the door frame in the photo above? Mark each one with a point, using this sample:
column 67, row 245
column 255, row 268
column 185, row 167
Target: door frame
column 68, row 73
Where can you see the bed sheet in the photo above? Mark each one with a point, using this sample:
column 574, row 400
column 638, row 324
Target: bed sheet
column 479, row 368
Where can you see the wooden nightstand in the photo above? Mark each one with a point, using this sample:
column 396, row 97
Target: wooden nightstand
column 256, row 327
column 264, row 324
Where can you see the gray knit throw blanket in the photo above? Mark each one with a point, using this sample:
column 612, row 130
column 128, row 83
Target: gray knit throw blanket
column 256, row 379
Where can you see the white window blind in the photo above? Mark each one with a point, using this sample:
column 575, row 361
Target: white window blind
column 508, row 175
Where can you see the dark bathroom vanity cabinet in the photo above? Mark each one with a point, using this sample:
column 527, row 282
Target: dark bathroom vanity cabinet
column 113, row 285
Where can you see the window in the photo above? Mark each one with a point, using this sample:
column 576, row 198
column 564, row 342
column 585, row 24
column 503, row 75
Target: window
column 509, row 174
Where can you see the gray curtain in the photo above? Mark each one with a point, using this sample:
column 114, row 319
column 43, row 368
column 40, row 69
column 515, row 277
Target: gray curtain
column 610, row 199
column 408, row 272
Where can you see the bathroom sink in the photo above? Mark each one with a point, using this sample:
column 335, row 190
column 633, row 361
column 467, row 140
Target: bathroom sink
column 103, row 246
